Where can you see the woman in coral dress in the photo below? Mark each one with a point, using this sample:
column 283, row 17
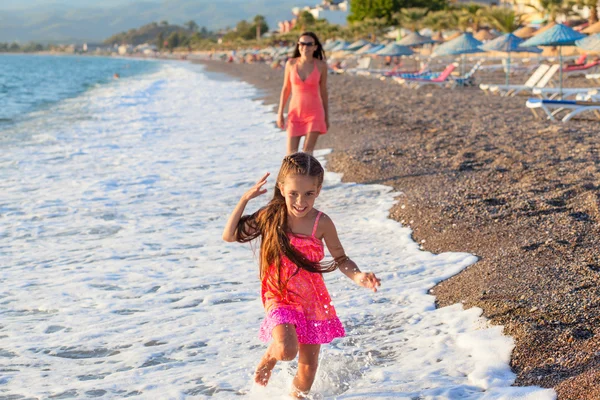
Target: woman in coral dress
column 306, row 81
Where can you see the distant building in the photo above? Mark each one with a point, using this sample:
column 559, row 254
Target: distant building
column 125, row 49
column 335, row 12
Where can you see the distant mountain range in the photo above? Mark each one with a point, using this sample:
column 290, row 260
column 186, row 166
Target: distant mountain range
column 93, row 20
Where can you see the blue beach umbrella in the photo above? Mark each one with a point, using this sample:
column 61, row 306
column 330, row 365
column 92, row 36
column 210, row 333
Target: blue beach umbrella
column 414, row 39
column 508, row 43
column 590, row 43
column 340, row 46
column 394, row 50
column 366, row 48
column 356, row 45
column 375, row 49
column 330, row 45
column 559, row 35
column 464, row 44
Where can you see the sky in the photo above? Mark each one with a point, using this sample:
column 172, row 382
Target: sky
column 95, row 20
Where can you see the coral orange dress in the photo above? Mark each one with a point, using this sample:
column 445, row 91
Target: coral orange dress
column 306, row 112
column 304, row 302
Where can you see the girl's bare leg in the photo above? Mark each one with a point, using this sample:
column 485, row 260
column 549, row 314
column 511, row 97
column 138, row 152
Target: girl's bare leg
column 293, row 143
column 284, row 347
column 308, row 362
column 310, row 142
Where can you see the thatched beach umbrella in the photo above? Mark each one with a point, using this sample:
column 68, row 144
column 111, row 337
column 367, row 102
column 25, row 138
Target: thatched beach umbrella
column 414, row 39
column 453, row 36
column 366, row 48
column 356, row 45
column 394, row 50
column 525, row 32
column 544, row 28
column 590, row 43
column 437, row 37
column 375, row 49
column 594, row 28
column 558, row 35
column 483, row 35
column 463, row 44
column 508, row 43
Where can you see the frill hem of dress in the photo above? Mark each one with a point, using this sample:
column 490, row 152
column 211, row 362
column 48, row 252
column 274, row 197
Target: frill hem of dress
column 308, row 331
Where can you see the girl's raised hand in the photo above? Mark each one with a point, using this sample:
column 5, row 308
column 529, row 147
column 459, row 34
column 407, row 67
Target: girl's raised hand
column 367, row 280
column 257, row 189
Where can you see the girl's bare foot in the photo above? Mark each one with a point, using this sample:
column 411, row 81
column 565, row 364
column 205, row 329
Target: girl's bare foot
column 263, row 371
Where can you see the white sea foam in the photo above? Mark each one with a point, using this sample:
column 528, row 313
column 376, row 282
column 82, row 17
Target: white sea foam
column 115, row 281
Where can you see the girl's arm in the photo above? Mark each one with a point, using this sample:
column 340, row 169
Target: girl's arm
column 285, row 94
column 230, row 231
column 346, row 265
column 324, row 94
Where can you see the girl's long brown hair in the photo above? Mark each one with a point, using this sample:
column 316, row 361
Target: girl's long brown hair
column 270, row 223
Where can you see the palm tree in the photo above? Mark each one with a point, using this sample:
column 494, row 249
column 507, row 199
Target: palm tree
column 553, row 8
column 259, row 21
column 411, row 18
column 503, row 19
column 471, row 16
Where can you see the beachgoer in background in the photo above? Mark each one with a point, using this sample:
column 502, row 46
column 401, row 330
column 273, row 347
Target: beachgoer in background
column 116, row 76
column 299, row 314
column 306, row 80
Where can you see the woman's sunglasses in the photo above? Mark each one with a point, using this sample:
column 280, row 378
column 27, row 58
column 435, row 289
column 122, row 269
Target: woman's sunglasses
column 307, row 44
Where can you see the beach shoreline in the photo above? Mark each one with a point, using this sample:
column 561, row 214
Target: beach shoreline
column 479, row 174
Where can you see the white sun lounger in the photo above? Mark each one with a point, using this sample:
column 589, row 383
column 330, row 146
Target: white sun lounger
column 533, row 79
column 553, row 93
column 554, row 107
column 593, row 77
column 513, row 90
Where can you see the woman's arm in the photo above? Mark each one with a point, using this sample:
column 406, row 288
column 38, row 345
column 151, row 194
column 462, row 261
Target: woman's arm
column 230, row 231
column 285, row 94
column 324, row 94
column 345, row 264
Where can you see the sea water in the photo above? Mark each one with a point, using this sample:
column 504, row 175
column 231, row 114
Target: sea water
column 115, row 282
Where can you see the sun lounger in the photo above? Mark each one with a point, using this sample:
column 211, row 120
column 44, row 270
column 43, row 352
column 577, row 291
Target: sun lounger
column 513, row 90
column 442, row 80
column 467, row 79
column 554, row 107
column 593, row 77
column 533, row 79
column 553, row 93
column 574, row 70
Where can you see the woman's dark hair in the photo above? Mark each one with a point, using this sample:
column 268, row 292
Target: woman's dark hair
column 319, row 53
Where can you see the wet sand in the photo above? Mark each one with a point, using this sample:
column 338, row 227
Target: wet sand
column 480, row 174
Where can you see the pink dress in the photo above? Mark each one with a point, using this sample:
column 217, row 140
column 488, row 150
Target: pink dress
column 306, row 113
column 305, row 301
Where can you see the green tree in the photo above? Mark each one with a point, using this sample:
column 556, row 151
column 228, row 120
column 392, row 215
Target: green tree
column 260, row 26
column 191, row 26
column 503, row 19
column 173, row 40
column 305, row 21
column 472, row 16
column 361, row 9
column 161, row 40
column 164, row 23
column 411, row 18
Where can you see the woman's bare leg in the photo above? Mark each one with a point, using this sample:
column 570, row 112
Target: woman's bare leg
column 292, row 144
column 310, row 142
column 308, row 362
column 284, row 347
